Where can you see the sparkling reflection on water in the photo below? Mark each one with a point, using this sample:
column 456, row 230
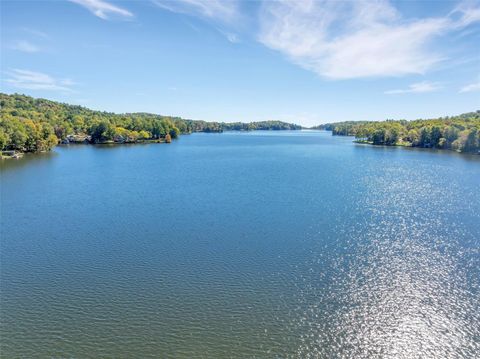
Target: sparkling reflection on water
column 281, row 245
column 404, row 287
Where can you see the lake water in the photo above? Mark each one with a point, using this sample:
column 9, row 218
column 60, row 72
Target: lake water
column 241, row 245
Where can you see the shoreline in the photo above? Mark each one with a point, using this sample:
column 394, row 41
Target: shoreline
column 408, row 145
column 20, row 154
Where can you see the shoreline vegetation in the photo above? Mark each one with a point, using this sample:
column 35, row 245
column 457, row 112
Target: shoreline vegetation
column 457, row 133
column 29, row 124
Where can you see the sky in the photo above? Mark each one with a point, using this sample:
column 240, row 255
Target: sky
column 307, row 62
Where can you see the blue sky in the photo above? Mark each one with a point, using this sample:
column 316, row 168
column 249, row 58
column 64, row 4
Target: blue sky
column 307, row 62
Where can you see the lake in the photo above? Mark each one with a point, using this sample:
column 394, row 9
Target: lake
column 241, row 245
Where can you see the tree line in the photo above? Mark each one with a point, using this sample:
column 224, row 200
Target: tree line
column 459, row 133
column 30, row 124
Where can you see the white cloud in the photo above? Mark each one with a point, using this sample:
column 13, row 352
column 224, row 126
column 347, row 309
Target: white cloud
column 471, row 87
column 466, row 13
column 224, row 13
column 25, row 46
column 420, row 87
column 233, row 38
column 103, row 9
column 31, row 80
column 230, row 36
column 35, row 32
column 213, row 9
column 354, row 39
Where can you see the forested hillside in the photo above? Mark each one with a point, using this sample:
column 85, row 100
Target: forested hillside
column 28, row 124
column 460, row 133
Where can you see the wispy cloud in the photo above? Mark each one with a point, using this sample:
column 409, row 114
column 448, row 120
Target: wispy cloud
column 35, row 32
column 233, row 38
column 230, row 36
column 340, row 39
column 471, row 87
column 32, row 80
column 465, row 13
column 103, row 9
column 213, row 9
column 420, row 87
column 223, row 13
column 25, row 46
column 354, row 39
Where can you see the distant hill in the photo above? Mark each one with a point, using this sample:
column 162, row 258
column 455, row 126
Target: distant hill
column 460, row 133
column 30, row 124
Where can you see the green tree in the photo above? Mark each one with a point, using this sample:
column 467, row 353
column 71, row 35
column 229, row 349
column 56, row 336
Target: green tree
column 435, row 136
column 4, row 139
column 471, row 143
column 101, row 132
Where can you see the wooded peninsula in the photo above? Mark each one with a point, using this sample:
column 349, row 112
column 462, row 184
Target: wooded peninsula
column 459, row 133
column 29, row 124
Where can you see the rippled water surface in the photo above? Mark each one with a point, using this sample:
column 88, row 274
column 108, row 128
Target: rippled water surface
column 242, row 245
